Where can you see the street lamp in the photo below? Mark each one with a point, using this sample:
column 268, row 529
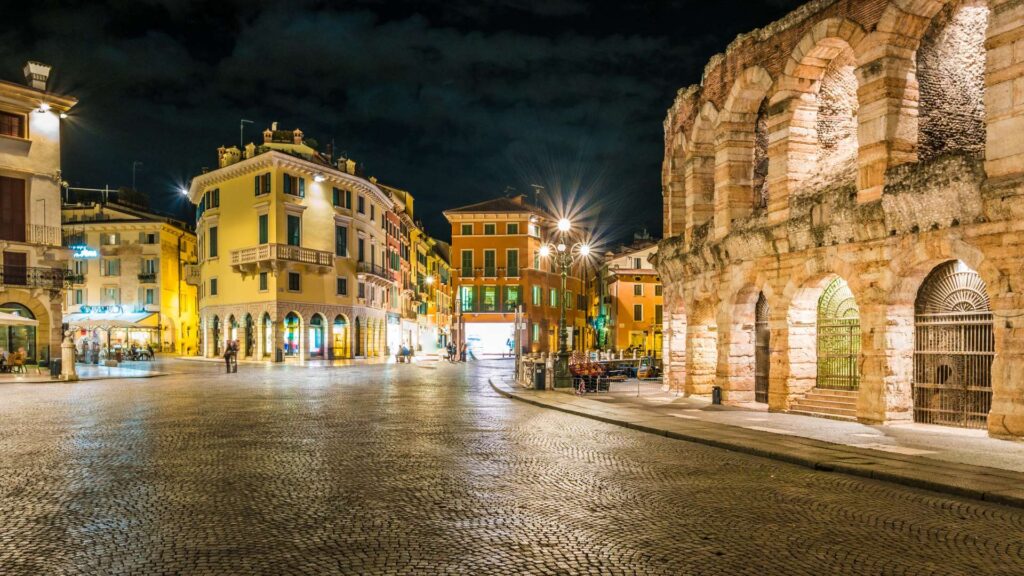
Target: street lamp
column 564, row 255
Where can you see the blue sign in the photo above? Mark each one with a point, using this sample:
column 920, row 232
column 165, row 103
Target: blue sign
column 82, row 252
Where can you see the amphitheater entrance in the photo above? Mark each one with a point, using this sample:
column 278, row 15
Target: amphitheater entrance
column 838, row 338
column 762, row 349
column 953, row 348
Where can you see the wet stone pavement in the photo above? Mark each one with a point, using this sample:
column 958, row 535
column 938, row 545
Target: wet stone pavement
column 415, row 470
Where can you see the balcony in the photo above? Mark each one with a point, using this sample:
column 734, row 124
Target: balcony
column 48, row 235
column 32, row 277
column 147, row 277
column 75, row 278
column 192, row 274
column 276, row 256
column 374, row 273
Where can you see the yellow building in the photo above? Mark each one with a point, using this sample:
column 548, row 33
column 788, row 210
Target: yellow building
column 32, row 260
column 293, row 253
column 130, row 265
column 628, row 293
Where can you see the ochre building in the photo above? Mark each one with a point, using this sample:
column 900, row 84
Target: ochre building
column 843, row 216
column 628, row 292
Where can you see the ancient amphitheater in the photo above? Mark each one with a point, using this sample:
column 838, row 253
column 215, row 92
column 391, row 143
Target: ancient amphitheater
column 844, row 216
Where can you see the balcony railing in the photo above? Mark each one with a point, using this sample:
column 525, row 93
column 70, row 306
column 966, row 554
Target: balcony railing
column 490, row 307
column 373, row 270
column 49, row 235
column 32, row 277
column 147, row 277
column 192, row 274
column 75, row 278
column 266, row 253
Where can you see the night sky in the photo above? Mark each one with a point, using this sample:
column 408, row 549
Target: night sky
column 455, row 101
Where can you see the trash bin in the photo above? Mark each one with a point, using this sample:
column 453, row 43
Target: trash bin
column 716, row 394
column 55, row 368
column 279, row 355
column 539, row 377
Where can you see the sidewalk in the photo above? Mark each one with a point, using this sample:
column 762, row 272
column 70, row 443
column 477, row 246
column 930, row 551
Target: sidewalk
column 954, row 461
column 86, row 372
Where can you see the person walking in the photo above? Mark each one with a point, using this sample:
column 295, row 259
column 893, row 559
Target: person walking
column 227, row 357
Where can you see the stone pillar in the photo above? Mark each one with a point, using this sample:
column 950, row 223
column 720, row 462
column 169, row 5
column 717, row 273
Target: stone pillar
column 260, row 338
column 733, row 157
column 887, row 117
column 735, row 372
column 1004, row 104
column 701, row 353
column 278, row 340
column 67, row 370
column 1006, row 419
column 886, row 363
column 792, row 151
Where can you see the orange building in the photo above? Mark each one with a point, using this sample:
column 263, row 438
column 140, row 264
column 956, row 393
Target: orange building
column 629, row 300
column 497, row 266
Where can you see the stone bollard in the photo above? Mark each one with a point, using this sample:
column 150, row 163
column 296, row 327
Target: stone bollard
column 67, row 359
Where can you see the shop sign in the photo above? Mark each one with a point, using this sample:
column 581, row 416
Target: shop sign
column 82, row 252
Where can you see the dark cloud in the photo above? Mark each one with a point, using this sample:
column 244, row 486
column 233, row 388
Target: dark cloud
column 453, row 100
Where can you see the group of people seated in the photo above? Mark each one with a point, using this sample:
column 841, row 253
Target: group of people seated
column 13, row 363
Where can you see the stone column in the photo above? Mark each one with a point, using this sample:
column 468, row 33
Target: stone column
column 1006, row 419
column 701, row 353
column 278, row 339
column 1004, row 105
column 67, row 370
column 887, row 131
column 886, row 363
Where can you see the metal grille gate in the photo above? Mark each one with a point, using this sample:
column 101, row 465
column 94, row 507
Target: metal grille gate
column 838, row 338
column 953, row 349
column 762, row 349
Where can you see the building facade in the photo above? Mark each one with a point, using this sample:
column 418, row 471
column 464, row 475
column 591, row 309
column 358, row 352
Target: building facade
column 498, row 266
column 628, row 293
column 126, row 260
column 32, row 259
column 293, row 254
column 842, row 200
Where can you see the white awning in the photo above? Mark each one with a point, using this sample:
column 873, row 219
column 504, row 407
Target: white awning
column 108, row 320
column 7, row 319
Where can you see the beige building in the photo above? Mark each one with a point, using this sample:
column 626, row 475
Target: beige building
column 130, row 265
column 293, row 254
column 32, row 260
column 843, row 199
column 628, row 292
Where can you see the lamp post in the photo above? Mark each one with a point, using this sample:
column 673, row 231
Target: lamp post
column 564, row 256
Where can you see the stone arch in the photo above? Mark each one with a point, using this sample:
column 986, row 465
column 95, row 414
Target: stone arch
column 699, row 172
column 736, row 344
column 674, row 201
column 674, row 336
column 741, row 148
column 341, row 337
column 701, row 340
column 816, row 137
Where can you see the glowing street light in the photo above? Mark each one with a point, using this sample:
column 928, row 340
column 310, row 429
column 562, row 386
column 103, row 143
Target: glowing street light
column 564, row 256
column 319, row 177
column 564, row 225
column 545, row 251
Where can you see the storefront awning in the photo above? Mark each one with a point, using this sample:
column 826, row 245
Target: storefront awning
column 7, row 319
column 108, row 320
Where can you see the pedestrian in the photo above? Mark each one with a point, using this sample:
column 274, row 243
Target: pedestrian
column 234, row 356
column 227, row 358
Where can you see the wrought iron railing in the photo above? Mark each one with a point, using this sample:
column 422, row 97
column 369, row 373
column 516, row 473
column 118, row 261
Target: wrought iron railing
column 75, row 278
column 33, row 277
column 374, row 269
column 147, row 277
column 269, row 252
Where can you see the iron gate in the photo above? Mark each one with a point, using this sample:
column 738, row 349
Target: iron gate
column 838, row 338
column 953, row 349
column 762, row 349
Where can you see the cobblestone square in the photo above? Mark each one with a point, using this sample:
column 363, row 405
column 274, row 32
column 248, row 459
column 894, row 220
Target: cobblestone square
column 419, row 470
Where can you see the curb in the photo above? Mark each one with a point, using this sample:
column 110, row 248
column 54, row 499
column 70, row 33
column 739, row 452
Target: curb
column 820, row 464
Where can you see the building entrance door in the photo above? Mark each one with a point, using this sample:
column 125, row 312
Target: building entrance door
column 838, row 338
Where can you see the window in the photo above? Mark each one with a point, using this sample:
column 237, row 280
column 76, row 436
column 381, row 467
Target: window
column 536, row 260
column 148, row 238
column 213, row 286
column 490, row 270
column 212, row 198
column 295, row 185
column 110, row 267
column 148, row 296
column 12, row 125
column 466, row 293
column 638, row 263
column 362, row 204
column 638, row 289
column 512, row 262
column 534, row 230
column 294, row 282
column 111, row 296
column 148, row 266
column 361, row 250
column 467, row 264
column 512, row 228
column 362, row 290
column 348, row 199
column 81, row 267
column 264, row 226
column 489, row 298
column 553, row 298
column 341, row 241
column 536, row 332
column 110, row 239
column 467, row 229
column 657, row 289
column 568, row 299
column 490, row 229
column 294, row 230
column 581, row 302
column 537, row 296
column 79, row 297
column 341, row 287
column 263, row 282
column 261, row 184
column 212, row 241
column 337, row 198
column 513, row 298
column 657, row 313
column 638, row 312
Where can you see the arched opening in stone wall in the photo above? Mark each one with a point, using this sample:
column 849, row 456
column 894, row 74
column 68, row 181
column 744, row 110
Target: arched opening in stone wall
column 699, row 173
column 250, row 336
column 674, row 201
column 838, row 339
column 268, row 335
column 759, row 165
column 232, row 334
column 316, row 336
column 741, row 154
column 342, row 347
column 762, row 349
column 215, row 336
column 953, row 348
column 292, row 334
column 951, row 80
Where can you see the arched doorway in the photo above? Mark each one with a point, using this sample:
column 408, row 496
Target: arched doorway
column 14, row 337
column 292, row 327
column 316, row 336
column 762, row 349
column 838, row 338
column 953, row 348
column 215, row 336
column 250, row 336
column 268, row 335
column 341, row 343
column 360, row 347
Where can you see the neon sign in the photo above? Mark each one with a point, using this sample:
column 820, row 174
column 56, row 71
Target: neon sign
column 82, row 252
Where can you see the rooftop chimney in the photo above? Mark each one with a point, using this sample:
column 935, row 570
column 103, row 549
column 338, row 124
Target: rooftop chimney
column 37, row 74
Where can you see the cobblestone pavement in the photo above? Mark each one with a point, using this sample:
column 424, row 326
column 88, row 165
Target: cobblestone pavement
column 416, row 470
